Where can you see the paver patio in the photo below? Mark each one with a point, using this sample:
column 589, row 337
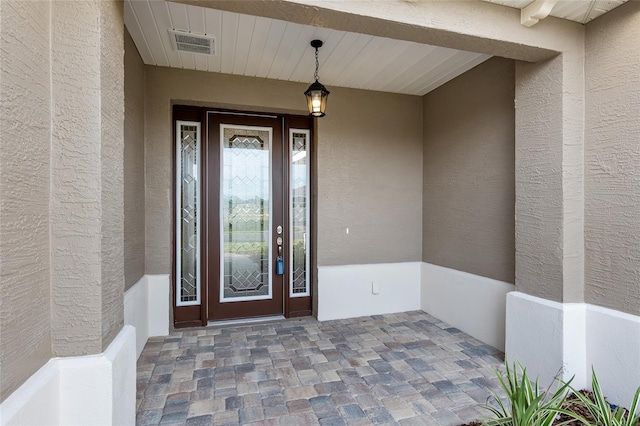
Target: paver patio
column 408, row 368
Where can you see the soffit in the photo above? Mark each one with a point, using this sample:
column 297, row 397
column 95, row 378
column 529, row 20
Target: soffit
column 270, row 48
column 581, row 11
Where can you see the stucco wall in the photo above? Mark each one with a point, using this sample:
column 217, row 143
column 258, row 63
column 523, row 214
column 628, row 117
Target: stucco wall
column 111, row 165
column 469, row 172
column 25, row 113
column 87, row 186
column 76, row 195
column 369, row 178
column 133, row 163
column 539, row 261
column 61, row 160
column 369, row 162
column 612, row 156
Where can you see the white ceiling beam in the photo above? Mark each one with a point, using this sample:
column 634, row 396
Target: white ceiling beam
column 537, row 10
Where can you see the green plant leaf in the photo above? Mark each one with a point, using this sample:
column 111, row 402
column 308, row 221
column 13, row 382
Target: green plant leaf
column 527, row 404
column 633, row 419
column 574, row 416
column 600, row 409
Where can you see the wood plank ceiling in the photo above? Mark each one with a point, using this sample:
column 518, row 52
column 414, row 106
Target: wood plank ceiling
column 269, row 48
column 262, row 47
column 581, row 11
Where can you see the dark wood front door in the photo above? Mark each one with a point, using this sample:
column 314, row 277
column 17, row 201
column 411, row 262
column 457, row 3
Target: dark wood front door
column 245, row 188
column 243, row 216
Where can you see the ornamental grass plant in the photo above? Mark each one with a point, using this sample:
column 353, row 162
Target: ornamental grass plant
column 600, row 412
column 525, row 404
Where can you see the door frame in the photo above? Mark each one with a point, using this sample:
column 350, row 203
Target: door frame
column 197, row 315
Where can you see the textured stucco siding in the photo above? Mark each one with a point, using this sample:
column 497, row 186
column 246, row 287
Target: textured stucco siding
column 76, row 192
column 111, row 158
column 61, row 217
column 550, row 174
column 369, row 178
column 539, row 178
column 87, row 184
column 25, row 315
column 469, row 172
column 369, row 163
column 612, row 160
column 133, row 164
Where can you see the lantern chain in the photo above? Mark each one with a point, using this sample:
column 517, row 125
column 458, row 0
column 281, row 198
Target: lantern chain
column 315, row 75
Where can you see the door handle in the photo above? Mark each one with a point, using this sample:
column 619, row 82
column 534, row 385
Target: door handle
column 279, row 258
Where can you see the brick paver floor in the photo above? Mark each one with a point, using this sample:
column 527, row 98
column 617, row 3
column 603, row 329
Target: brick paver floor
column 408, row 368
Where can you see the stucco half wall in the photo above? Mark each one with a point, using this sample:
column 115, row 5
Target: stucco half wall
column 98, row 389
column 552, row 338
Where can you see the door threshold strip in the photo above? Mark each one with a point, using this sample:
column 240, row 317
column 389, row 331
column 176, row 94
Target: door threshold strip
column 245, row 321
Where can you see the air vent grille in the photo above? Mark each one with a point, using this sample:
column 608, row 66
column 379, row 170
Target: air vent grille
column 192, row 43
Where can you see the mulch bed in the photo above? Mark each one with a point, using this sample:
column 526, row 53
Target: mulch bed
column 571, row 404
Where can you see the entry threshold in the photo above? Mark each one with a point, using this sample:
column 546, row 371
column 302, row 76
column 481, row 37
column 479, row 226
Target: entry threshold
column 245, row 321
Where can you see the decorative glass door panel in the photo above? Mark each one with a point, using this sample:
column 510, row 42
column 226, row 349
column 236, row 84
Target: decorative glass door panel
column 245, row 212
column 188, row 213
column 299, row 212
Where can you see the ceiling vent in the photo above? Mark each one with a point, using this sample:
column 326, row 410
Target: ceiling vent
column 183, row 41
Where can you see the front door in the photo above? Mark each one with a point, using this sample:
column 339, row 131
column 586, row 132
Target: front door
column 243, row 216
column 246, row 216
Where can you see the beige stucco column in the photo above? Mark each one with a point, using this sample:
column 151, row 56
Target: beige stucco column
column 550, row 178
column 87, row 86
column 61, row 215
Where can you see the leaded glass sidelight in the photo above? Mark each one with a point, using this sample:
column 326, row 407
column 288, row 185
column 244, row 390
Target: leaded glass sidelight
column 299, row 210
column 245, row 210
column 187, row 213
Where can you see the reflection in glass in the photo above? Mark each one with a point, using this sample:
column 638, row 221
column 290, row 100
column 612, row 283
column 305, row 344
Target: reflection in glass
column 299, row 212
column 188, row 226
column 246, row 202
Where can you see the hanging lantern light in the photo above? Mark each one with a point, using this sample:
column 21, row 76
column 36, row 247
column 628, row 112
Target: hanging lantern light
column 316, row 93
